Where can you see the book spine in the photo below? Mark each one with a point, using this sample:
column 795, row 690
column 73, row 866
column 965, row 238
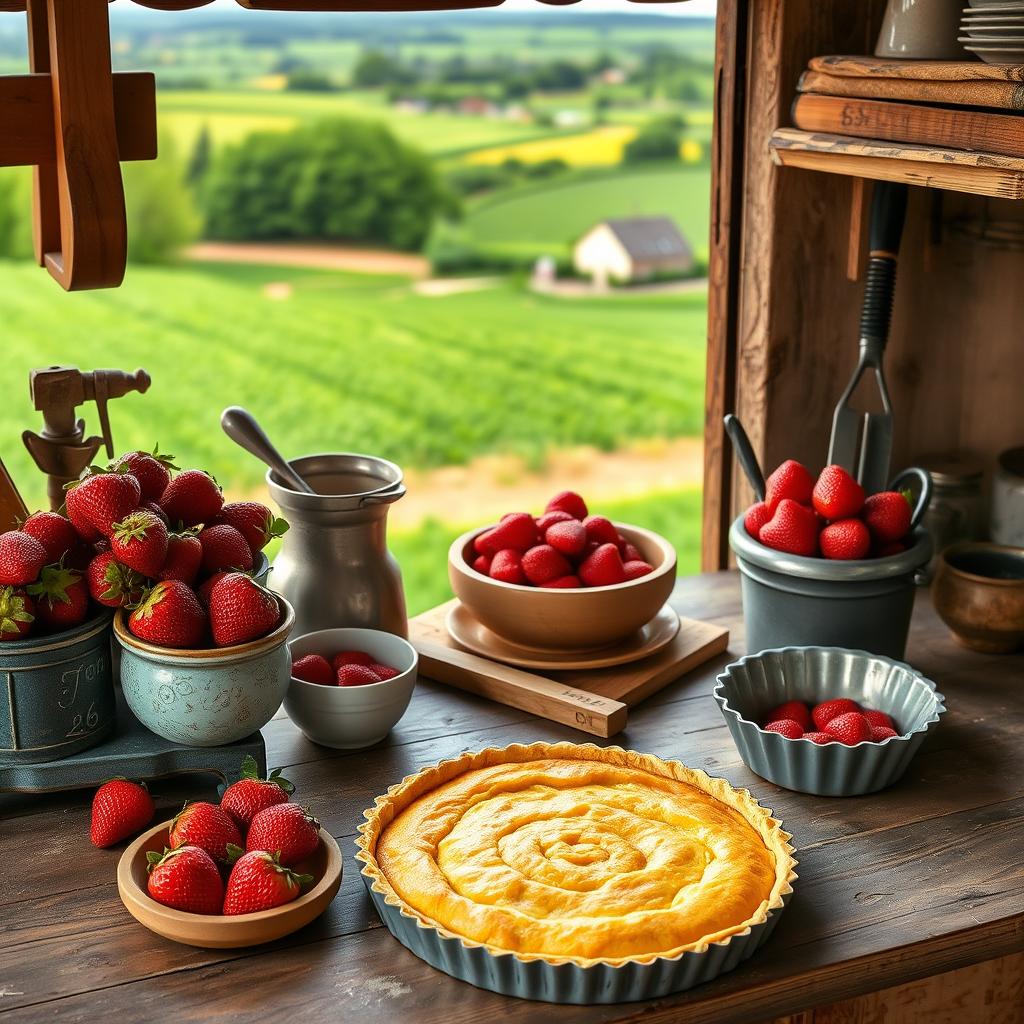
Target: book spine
column 1001, row 95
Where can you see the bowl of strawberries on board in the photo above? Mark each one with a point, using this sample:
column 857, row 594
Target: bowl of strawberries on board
column 824, row 564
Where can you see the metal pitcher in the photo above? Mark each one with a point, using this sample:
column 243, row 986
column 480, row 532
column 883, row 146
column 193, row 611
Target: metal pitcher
column 334, row 566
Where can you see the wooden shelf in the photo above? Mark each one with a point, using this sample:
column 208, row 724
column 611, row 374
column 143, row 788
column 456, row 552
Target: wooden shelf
column 983, row 174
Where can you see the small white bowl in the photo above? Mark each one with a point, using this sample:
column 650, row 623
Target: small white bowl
column 350, row 717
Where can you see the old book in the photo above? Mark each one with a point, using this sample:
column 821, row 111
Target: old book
column 976, row 93
column 929, row 70
column 978, row 130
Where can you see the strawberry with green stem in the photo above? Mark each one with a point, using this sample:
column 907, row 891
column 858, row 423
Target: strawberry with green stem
column 151, row 469
column 258, row 881
column 17, row 613
column 100, row 499
column 140, row 541
column 61, row 596
column 170, row 615
column 244, row 799
column 186, row 879
column 112, row 584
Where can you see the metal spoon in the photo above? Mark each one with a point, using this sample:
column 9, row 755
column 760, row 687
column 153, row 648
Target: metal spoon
column 242, row 428
column 745, row 454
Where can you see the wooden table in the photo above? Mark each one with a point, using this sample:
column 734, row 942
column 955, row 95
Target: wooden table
column 919, row 880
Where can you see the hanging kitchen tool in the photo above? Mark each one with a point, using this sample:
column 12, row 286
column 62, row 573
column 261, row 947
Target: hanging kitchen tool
column 745, row 455
column 862, row 441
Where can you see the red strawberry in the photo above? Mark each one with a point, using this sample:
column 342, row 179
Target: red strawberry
column 796, row 710
column 482, row 564
column 516, row 532
column 62, row 598
column 887, row 515
column 314, row 668
column 601, row 530
column 882, row 732
column 259, row 882
column 54, row 532
column 21, row 558
column 101, row 499
column 17, row 613
column 241, row 610
column 384, row 671
column 191, row 498
column 757, row 515
column 824, row 712
column 153, row 471
column 603, row 568
column 140, row 542
column 152, row 506
column 793, row 528
column 482, row 543
column 170, row 616
column 568, row 501
column 631, row 553
column 184, row 557
column 851, row 728
column 113, row 584
column 879, row 718
column 351, row 658
column 846, row 539
column 255, row 522
column 546, row 521
column 207, row 826
column 119, row 809
column 507, row 566
column 887, row 550
column 244, row 799
column 570, row 538
column 543, row 563
column 563, row 583
column 288, row 830
column 785, row 727
column 224, row 548
column 205, row 588
column 355, row 675
column 836, row 494
column 186, row 879
column 820, row 738
column 636, row 568
column 791, row 480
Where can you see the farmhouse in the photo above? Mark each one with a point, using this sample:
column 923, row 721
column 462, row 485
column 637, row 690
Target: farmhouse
column 631, row 249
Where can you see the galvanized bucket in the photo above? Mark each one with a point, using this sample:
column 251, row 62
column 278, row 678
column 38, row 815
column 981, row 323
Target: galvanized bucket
column 59, row 693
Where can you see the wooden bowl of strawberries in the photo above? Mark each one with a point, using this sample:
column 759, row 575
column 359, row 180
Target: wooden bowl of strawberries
column 562, row 581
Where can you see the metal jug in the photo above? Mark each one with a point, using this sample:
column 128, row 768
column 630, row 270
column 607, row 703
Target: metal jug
column 334, row 566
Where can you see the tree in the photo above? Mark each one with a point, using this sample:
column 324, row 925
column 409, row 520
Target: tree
column 656, row 140
column 308, row 80
column 15, row 218
column 199, row 161
column 559, row 76
column 375, row 69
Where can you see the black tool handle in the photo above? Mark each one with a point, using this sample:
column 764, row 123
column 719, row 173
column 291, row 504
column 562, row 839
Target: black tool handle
column 745, row 453
column 888, row 213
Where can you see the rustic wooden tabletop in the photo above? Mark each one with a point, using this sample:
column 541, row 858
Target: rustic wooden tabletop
column 914, row 881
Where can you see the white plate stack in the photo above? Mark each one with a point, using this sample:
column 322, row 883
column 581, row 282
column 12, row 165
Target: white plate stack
column 994, row 30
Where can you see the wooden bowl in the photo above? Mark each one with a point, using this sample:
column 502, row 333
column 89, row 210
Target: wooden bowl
column 978, row 592
column 587, row 619
column 212, row 931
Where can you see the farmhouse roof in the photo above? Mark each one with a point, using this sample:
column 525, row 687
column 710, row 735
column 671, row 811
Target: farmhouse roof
column 649, row 238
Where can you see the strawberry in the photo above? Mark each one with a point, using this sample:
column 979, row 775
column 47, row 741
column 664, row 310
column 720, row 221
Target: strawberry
column 546, row 521
column 851, row 728
column 836, row 494
column 17, row 613
column 482, row 543
column 113, row 584
column 205, row 588
column 785, row 727
column 255, row 522
column 796, row 710
column 824, row 712
column 601, row 530
column 355, row 675
column 259, row 882
column 793, row 528
column 21, row 558
column 224, row 548
column 790, row 480
column 207, row 826
column 482, row 564
column 882, row 732
column 152, row 506
column 244, row 799
column 184, row 557
column 153, row 471
column 888, row 515
column 570, row 502
column 288, row 830
column 636, row 568
column 139, row 541
column 191, row 498
column 603, row 568
column 351, row 658
column 887, row 550
column 241, row 610
column 186, row 879
column 845, row 539
column 631, row 553
column 507, row 566
column 820, row 738
column 515, row 532
column 543, row 563
column 757, row 515
column 314, row 668
column 119, row 809
column 878, row 718
column 54, row 532
column 384, row 672
column 563, row 583
column 62, row 598
column 101, row 499
column 170, row 616
column 569, row 538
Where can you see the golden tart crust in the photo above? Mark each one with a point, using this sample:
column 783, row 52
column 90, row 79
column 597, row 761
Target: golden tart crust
column 572, row 852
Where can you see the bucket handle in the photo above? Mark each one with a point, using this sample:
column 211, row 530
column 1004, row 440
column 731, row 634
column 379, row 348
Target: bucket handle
column 924, row 479
column 384, row 497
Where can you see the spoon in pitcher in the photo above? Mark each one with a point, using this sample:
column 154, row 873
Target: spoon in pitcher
column 745, row 454
column 240, row 425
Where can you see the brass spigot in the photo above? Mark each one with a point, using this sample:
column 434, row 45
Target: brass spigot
column 62, row 450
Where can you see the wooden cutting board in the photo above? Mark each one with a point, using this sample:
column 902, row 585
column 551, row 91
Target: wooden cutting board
column 592, row 700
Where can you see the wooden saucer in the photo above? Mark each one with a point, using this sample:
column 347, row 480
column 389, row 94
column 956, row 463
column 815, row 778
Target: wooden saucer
column 469, row 633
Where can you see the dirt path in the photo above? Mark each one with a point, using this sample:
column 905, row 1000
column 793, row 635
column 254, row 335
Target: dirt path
column 315, row 257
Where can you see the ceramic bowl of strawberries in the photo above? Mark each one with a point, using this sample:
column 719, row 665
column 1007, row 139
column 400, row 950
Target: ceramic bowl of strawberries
column 565, row 580
column 822, row 563
column 826, row 720
column 350, row 686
